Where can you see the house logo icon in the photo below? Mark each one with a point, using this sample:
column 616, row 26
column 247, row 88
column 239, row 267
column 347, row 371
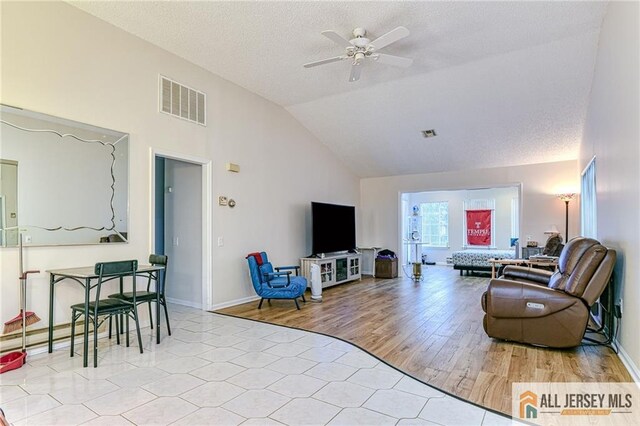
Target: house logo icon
column 528, row 405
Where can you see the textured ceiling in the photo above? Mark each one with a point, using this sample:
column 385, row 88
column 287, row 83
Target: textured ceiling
column 502, row 83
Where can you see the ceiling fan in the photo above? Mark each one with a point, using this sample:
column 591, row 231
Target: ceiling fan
column 360, row 48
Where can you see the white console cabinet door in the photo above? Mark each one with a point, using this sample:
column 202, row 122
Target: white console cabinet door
column 327, row 272
column 354, row 265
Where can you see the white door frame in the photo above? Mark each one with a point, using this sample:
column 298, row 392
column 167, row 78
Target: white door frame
column 207, row 218
column 2, row 220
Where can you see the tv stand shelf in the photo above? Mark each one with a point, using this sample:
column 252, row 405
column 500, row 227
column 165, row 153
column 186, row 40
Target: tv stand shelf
column 334, row 269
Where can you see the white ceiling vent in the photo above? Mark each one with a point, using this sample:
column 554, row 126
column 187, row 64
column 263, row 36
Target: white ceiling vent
column 429, row 133
column 182, row 101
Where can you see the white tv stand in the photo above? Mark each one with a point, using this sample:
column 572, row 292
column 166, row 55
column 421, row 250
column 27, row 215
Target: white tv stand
column 334, row 269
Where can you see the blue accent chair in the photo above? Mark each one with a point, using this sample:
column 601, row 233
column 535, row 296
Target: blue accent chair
column 278, row 284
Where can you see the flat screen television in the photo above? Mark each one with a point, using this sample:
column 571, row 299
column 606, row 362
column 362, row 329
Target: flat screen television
column 334, row 227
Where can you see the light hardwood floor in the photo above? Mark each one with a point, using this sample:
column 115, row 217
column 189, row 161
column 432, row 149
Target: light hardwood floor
column 433, row 331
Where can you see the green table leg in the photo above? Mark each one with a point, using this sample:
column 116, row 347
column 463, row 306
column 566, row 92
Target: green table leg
column 158, row 307
column 87, row 290
column 51, row 297
column 121, row 317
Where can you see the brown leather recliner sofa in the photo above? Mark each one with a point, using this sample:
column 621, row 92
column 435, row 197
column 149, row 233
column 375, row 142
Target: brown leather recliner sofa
column 549, row 308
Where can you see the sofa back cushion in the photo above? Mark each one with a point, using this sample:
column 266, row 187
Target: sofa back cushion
column 581, row 266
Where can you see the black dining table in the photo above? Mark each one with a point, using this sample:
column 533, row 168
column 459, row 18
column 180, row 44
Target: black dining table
column 86, row 276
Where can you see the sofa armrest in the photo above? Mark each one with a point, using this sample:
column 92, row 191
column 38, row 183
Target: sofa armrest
column 516, row 299
column 535, row 275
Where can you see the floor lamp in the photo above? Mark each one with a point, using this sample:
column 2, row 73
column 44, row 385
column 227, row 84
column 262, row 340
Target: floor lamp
column 566, row 198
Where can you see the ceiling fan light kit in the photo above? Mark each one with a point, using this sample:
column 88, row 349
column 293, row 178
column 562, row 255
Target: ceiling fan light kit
column 360, row 48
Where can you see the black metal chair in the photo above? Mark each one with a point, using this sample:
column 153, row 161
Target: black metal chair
column 108, row 308
column 151, row 296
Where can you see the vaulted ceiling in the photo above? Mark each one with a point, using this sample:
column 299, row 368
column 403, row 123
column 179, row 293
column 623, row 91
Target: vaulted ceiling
column 502, row 83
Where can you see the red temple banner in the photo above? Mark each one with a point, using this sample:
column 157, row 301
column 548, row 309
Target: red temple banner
column 479, row 227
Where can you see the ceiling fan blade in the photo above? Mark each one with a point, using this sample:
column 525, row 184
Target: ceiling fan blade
column 390, row 37
column 355, row 72
column 396, row 61
column 336, row 38
column 325, row 61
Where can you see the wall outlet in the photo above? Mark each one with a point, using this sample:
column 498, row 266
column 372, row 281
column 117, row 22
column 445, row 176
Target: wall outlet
column 220, row 241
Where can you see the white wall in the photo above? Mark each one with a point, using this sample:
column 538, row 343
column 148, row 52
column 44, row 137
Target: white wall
column 61, row 61
column 379, row 209
column 456, row 199
column 612, row 134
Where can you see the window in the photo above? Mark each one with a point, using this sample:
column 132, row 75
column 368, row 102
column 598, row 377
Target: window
column 588, row 218
column 588, row 206
column 435, row 223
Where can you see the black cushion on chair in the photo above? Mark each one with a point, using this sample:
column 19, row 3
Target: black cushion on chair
column 105, row 306
column 141, row 296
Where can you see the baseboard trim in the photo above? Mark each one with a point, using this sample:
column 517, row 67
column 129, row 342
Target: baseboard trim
column 632, row 368
column 43, row 347
column 184, row 303
column 234, row 302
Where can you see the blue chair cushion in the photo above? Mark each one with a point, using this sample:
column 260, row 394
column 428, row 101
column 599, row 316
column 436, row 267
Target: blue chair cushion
column 296, row 288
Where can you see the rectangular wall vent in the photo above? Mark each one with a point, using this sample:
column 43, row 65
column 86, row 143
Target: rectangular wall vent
column 182, row 101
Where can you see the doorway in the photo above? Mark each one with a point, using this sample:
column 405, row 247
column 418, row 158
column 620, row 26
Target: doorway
column 433, row 222
column 181, row 226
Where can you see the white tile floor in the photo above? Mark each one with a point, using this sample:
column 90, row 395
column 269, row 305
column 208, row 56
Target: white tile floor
column 226, row 371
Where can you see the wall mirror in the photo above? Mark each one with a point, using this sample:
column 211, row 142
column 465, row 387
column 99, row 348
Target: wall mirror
column 61, row 182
